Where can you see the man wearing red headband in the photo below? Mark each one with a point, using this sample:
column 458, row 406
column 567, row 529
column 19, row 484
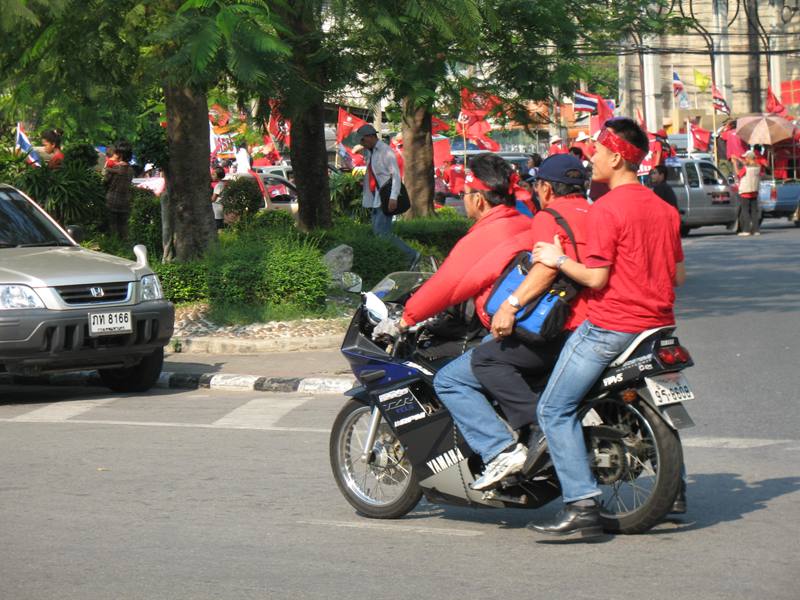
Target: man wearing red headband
column 633, row 260
column 469, row 272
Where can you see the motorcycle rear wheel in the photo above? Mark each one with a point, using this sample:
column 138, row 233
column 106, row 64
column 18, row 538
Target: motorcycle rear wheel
column 639, row 474
column 384, row 487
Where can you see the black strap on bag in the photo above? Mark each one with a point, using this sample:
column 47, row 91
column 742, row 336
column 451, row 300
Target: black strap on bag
column 565, row 226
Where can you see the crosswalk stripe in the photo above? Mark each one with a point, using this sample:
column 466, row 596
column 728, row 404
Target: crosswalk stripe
column 394, row 528
column 62, row 411
column 253, row 427
column 730, row 443
column 259, row 413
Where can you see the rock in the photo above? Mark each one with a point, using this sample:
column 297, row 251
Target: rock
column 339, row 260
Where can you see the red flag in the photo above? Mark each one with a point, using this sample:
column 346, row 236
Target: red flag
column 774, row 105
column 347, row 124
column 476, row 105
column 437, row 125
column 279, row 127
column 718, row 101
column 441, row 152
column 701, row 137
column 604, row 113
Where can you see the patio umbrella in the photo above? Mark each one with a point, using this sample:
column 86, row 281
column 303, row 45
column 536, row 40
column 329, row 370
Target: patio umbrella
column 763, row 129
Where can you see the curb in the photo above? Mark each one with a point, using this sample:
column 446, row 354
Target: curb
column 193, row 381
column 221, row 345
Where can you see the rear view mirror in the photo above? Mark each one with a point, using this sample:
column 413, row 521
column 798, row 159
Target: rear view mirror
column 75, row 232
column 351, row 282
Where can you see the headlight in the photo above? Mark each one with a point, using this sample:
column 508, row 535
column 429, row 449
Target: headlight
column 18, row 296
column 150, row 288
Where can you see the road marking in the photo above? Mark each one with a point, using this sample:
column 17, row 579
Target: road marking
column 61, row 411
column 731, row 443
column 259, row 413
column 166, row 424
column 395, row 528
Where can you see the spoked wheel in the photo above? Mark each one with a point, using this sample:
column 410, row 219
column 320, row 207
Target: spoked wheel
column 383, row 486
column 636, row 459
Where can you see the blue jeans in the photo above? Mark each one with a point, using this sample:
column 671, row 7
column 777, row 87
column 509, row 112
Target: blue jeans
column 382, row 227
column 461, row 392
column 587, row 353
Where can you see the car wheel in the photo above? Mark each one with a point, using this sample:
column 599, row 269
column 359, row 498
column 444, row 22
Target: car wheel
column 138, row 378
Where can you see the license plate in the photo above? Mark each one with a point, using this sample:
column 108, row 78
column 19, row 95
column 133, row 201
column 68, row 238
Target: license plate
column 669, row 388
column 110, row 323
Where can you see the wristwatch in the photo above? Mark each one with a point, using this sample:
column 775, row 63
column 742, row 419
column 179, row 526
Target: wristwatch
column 560, row 261
column 513, row 301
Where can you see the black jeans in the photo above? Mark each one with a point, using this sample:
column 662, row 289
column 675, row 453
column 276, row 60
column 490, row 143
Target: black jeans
column 118, row 223
column 514, row 373
column 749, row 215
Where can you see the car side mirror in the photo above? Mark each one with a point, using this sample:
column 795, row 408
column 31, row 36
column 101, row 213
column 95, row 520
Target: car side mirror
column 75, row 232
column 351, row 282
column 731, row 180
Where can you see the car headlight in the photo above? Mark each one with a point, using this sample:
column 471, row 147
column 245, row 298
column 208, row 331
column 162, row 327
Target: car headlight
column 150, row 288
column 14, row 297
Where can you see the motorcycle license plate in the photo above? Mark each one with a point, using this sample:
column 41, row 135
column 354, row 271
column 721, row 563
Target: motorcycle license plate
column 110, row 323
column 669, row 388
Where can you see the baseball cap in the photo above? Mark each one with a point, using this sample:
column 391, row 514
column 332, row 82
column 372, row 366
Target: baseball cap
column 366, row 130
column 554, row 168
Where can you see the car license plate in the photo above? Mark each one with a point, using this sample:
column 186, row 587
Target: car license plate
column 110, row 323
column 669, row 388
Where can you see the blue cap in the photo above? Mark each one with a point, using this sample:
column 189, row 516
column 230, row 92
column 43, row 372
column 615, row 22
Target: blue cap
column 554, row 168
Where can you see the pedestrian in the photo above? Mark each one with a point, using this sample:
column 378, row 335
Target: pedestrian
column 242, row 159
column 632, row 262
column 556, row 146
column 749, row 180
column 51, row 140
column 217, row 177
column 382, row 169
column 659, row 185
column 118, row 179
column 534, row 162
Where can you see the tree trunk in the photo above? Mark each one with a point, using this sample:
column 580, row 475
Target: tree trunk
column 188, row 177
column 310, row 166
column 418, row 157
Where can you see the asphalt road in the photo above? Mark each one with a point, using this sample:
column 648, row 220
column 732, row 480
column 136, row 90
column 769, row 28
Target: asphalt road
column 207, row 494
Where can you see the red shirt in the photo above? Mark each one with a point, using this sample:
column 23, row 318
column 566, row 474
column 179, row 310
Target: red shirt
column 575, row 210
column 473, row 265
column 637, row 235
column 56, row 159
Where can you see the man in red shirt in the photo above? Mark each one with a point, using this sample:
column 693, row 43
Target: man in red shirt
column 470, row 271
column 632, row 262
column 504, row 364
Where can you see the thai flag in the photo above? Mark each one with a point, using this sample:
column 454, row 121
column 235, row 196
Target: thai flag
column 23, row 145
column 584, row 102
column 677, row 84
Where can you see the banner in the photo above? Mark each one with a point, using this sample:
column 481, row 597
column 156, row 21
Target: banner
column 279, row 127
column 347, row 124
column 718, row 101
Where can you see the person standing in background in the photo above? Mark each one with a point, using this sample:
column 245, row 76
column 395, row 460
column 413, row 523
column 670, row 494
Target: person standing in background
column 118, row 178
column 749, row 180
column 51, row 140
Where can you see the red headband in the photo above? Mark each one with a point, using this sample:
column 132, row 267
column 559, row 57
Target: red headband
column 476, row 184
column 625, row 149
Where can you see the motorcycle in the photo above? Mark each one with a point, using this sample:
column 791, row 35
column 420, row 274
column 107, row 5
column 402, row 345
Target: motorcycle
column 393, row 441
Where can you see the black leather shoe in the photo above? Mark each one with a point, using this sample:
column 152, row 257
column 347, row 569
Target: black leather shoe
column 572, row 523
column 679, row 504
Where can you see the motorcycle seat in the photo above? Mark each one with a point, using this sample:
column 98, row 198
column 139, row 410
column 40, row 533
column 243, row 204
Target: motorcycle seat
column 638, row 340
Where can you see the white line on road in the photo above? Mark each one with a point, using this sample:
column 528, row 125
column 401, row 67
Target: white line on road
column 260, row 413
column 395, row 528
column 61, row 411
column 730, row 443
column 165, row 424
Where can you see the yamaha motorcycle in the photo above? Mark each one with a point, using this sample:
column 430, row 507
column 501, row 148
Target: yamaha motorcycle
column 393, row 441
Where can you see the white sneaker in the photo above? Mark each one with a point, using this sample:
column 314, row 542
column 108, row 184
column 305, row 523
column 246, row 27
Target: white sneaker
column 757, row 233
column 503, row 465
column 743, row 233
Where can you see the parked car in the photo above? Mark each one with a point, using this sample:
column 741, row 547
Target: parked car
column 65, row 308
column 778, row 199
column 705, row 196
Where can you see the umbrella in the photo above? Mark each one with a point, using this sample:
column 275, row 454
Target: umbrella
column 764, row 129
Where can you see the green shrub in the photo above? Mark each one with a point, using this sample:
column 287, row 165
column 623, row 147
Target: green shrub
column 294, row 274
column 346, row 191
column 242, row 198
column 436, row 235
column 183, row 282
column 235, row 268
column 280, row 220
column 144, row 223
column 12, row 166
column 109, row 244
column 81, row 154
column 72, row 194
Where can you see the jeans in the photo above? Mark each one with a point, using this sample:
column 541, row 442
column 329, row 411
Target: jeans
column 382, row 227
column 462, row 394
column 585, row 356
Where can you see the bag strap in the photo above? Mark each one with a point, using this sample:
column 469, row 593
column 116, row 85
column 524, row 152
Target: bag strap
column 565, row 226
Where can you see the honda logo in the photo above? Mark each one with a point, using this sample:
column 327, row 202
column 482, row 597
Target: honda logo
column 97, row 292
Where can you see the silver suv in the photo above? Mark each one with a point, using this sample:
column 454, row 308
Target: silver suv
column 65, row 308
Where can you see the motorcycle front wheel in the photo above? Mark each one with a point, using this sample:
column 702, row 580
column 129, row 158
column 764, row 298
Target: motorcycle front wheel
column 637, row 467
column 381, row 487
